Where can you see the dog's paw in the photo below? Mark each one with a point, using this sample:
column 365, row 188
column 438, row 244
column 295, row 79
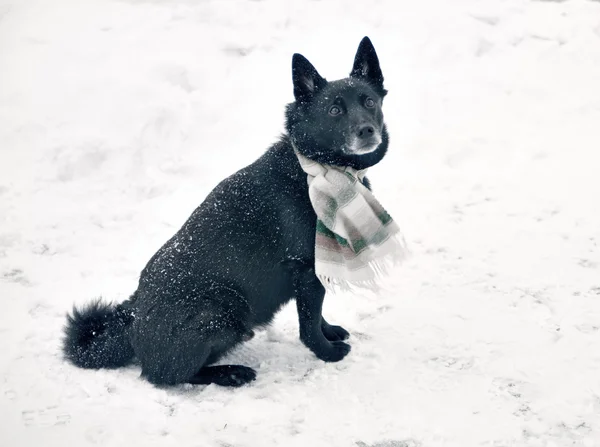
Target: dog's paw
column 333, row 352
column 235, row 376
column 334, row 333
column 224, row 375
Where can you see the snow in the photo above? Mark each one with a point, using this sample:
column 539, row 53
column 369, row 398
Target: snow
column 118, row 117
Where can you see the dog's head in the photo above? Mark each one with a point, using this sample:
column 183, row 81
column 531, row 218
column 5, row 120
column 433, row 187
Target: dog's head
column 339, row 122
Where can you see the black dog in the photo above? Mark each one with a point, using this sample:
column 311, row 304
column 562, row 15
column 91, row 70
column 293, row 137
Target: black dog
column 246, row 250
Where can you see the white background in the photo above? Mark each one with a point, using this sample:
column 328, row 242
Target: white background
column 118, row 117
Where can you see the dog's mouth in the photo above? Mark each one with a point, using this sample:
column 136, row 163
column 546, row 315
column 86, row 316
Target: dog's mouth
column 357, row 147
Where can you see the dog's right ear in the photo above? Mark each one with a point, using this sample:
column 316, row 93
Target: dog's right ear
column 307, row 81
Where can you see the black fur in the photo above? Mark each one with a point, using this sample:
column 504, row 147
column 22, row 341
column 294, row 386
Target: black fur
column 366, row 66
column 95, row 336
column 245, row 251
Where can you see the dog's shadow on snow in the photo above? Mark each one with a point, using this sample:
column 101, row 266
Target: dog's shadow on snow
column 278, row 356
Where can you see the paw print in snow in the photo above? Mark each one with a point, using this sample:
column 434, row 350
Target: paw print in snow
column 46, row 417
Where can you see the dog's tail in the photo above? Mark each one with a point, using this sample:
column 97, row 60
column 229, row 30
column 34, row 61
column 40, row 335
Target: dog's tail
column 96, row 335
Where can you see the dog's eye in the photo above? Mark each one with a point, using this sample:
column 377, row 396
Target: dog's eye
column 335, row 110
column 369, row 103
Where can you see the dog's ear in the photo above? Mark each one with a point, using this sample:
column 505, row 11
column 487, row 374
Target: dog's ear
column 366, row 65
column 307, row 81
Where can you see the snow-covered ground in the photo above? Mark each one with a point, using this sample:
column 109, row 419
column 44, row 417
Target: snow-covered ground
column 118, row 117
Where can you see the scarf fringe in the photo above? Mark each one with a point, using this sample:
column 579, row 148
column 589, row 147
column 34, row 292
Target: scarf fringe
column 380, row 267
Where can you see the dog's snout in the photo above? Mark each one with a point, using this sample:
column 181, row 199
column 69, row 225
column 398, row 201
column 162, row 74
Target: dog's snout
column 366, row 131
column 365, row 138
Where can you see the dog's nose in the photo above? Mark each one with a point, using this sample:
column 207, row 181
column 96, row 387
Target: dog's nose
column 366, row 132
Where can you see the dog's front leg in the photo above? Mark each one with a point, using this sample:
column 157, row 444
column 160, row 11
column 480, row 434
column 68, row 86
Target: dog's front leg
column 309, row 301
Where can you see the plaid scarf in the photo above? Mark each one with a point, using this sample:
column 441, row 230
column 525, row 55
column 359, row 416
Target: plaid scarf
column 356, row 240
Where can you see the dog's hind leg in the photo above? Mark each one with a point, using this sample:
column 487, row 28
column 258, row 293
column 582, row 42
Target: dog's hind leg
column 176, row 341
column 187, row 362
column 224, row 375
column 177, row 365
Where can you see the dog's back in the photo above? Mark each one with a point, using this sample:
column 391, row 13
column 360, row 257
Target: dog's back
column 240, row 237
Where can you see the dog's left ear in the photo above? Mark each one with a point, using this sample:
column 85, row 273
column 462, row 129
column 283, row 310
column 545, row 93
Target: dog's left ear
column 366, row 65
